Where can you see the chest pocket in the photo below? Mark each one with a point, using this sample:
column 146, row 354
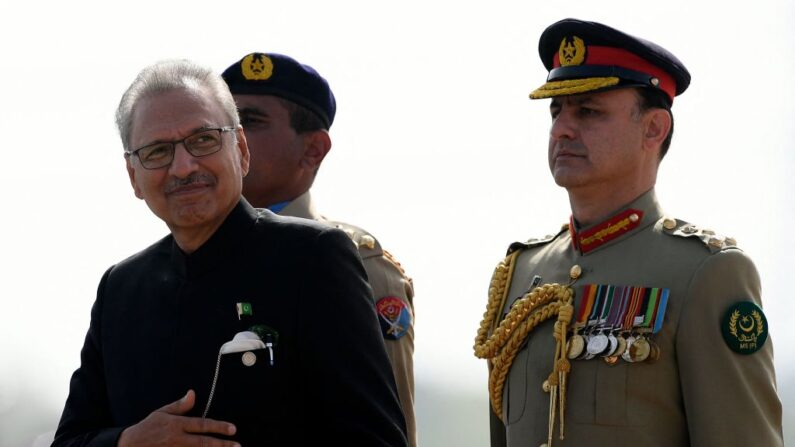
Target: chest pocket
column 526, row 402
column 249, row 392
column 598, row 393
column 516, row 388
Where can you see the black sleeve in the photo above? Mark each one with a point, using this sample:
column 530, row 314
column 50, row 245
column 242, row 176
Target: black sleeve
column 350, row 386
column 86, row 416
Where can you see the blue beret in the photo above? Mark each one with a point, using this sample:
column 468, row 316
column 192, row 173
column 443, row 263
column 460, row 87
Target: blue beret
column 279, row 75
column 588, row 56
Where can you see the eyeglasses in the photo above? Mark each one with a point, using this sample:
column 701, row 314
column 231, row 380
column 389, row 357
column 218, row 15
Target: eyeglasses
column 200, row 144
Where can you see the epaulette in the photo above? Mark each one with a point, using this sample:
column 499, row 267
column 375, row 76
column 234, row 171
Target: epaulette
column 367, row 244
column 535, row 242
column 391, row 258
column 713, row 241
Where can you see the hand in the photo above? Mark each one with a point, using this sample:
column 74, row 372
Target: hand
column 167, row 426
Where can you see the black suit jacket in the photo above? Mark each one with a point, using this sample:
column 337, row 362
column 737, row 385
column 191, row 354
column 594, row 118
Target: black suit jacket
column 161, row 316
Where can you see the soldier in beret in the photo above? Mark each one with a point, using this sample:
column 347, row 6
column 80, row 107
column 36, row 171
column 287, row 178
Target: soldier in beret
column 628, row 326
column 286, row 109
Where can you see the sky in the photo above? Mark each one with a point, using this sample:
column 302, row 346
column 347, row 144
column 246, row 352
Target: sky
column 436, row 150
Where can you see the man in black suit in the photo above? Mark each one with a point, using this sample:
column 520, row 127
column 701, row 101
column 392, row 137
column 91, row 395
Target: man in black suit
column 240, row 327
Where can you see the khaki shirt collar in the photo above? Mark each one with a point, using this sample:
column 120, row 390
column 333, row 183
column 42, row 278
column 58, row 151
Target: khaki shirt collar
column 302, row 206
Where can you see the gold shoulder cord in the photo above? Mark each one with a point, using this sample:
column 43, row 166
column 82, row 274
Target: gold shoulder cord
column 501, row 347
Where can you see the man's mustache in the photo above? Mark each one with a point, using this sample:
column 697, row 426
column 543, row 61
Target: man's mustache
column 194, row 178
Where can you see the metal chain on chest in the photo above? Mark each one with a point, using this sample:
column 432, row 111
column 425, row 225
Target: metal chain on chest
column 212, row 388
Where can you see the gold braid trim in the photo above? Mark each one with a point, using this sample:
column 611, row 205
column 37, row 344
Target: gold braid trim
column 498, row 293
column 489, row 347
column 502, row 362
column 572, row 87
column 500, row 341
column 562, row 366
column 502, row 346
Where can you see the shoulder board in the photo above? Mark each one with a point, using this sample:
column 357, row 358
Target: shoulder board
column 713, row 241
column 391, row 258
column 534, row 242
column 366, row 243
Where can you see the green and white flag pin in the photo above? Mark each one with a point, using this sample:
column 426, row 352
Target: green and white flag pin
column 244, row 309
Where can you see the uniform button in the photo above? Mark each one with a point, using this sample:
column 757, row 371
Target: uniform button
column 575, row 272
column 669, row 224
column 715, row 242
column 545, row 386
column 249, row 358
column 634, row 217
column 367, row 241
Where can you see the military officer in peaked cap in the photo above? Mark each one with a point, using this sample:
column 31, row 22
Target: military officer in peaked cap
column 629, row 326
column 286, row 109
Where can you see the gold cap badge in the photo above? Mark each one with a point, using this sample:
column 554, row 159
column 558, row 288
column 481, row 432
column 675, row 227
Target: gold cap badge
column 256, row 67
column 571, row 51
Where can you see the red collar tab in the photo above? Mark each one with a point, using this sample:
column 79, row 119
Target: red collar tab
column 602, row 233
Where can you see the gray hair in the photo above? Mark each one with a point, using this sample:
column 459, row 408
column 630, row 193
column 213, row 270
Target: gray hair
column 170, row 75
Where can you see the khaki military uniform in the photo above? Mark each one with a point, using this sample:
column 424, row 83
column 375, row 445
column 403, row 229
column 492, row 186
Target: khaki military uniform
column 698, row 392
column 388, row 281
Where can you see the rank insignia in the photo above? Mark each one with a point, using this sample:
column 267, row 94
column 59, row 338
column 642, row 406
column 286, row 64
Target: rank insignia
column 394, row 317
column 744, row 327
column 600, row 234
column 257, row 67
column 571, row 51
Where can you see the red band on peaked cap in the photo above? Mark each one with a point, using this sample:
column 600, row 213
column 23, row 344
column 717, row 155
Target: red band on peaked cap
column 599, row 55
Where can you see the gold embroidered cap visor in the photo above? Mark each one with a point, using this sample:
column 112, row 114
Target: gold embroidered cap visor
column 573, row 87
column 588, row 57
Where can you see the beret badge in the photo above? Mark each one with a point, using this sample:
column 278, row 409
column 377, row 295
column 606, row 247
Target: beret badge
column 256, row 67
column 571, row 51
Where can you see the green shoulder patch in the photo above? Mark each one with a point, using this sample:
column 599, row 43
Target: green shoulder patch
column 744, row 327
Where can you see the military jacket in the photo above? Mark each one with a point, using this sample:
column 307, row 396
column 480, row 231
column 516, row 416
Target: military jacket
column 698, row 392
column 393, row 292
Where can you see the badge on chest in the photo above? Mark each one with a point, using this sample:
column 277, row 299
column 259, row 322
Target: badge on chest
column 617, row 322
